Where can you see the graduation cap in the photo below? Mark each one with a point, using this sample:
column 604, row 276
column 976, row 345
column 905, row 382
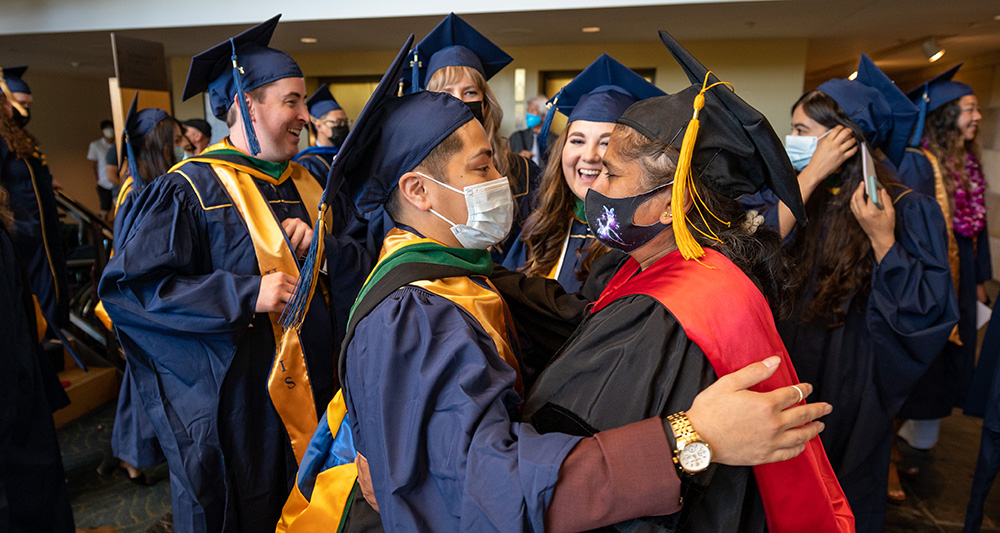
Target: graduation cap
column 235, row 66
column 453, row 42
column 391, row 136
column 601, row 93
column 138, row 124
column 883, row 113
column 11, row 82
column 725, row 142
column 933, row 94
column 322, row 102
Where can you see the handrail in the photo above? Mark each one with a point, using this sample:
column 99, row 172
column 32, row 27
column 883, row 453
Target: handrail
column 83, row 214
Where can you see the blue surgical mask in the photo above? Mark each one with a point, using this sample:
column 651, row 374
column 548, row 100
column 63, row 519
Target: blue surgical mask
column 179, row 154
column 800, row 149
column 533, row 120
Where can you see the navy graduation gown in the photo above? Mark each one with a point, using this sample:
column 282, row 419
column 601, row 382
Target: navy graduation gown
column 984, row 401
column 452, row 457
column 317, row 160
column 181, row 290
column 577, row 238
column 33, row 492
column 946, row 382
column 525, row 176
column 867, row 366
column 37, row 232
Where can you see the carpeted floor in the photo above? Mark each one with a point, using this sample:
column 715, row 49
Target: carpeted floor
column 936, row 498
column 112, row 501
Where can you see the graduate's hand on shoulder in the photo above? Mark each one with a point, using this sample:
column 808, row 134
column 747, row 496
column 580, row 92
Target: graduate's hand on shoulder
column 275, row 291
column 365, row 481
column 878, row 224
column 299, row 234
column 747, row 428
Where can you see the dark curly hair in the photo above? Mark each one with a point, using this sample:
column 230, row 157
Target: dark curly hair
column 949, row 146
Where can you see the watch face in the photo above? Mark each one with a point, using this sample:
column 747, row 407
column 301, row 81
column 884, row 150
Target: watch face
column 695, row 457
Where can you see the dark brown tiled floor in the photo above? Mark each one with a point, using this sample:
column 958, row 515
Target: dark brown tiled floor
column 938, row 495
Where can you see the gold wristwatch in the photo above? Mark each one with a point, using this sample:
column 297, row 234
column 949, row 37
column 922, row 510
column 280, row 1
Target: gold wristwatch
column 692, row 454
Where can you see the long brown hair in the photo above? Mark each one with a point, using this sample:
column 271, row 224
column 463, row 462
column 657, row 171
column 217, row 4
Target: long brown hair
column 19, row 142
column 503, row 158
column 833, row 245
column 752, row 247
column 949, row 146
column 546, row 227
column 155, row 155
column 6, row 215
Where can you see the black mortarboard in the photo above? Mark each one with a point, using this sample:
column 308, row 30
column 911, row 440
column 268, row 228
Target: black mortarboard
column 391, row 136
column 935, row 93
column 453, row 42
column 883, row 113
column 199, row 124
column 237, row 65
column 322, row 102
column 138, row 124
column 732, row 147
column 601, row 93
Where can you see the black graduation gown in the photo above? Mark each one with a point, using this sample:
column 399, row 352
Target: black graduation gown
column 33, row 492
column 598, row 363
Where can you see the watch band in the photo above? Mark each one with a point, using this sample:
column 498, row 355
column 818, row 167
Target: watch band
column 684, row 432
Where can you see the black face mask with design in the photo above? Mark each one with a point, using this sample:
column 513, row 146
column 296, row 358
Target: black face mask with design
column 339, row 135
column 477, row 111
column 611, row 220
column 22, row 120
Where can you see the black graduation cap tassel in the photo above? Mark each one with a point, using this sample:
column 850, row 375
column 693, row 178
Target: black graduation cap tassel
column 244, row 111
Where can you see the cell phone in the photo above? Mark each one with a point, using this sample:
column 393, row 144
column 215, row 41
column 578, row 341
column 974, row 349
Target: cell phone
column 872, row 184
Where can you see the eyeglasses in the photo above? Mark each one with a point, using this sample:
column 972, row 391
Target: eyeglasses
column 334, row 123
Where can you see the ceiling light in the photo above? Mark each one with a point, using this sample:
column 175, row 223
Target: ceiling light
column 996, row 17
column 309, row 40
column 932, row 50
column 853, row 76
column 591, row 29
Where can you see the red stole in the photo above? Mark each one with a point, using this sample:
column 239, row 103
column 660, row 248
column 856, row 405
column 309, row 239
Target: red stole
column 725, row 314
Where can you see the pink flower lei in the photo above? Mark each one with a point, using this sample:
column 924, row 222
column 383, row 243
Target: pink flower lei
column 970, row 203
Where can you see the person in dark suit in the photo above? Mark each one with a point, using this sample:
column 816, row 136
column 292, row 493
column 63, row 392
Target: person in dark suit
column 525, row 142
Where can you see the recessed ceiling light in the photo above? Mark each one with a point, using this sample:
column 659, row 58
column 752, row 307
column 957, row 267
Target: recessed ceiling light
column 996, row 17
column 853, row 76
column 309, row 40
column 590, row 29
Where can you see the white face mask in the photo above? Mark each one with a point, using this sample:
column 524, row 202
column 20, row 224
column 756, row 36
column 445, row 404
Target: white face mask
column 800, row 149
column 491, row 213
column 108, row 133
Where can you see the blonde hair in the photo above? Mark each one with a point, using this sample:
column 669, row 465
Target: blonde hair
column 492, row 113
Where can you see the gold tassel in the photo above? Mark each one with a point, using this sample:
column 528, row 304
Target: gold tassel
column 685, row 240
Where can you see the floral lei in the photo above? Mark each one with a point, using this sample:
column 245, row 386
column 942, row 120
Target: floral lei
column 970, row 203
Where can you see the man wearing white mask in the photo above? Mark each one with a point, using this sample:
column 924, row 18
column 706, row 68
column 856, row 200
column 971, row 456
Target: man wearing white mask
column 97, row 153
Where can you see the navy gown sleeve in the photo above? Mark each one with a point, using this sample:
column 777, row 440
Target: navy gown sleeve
column 153, row 282
column 984, row 265
column 450, row 457
column 912, row 308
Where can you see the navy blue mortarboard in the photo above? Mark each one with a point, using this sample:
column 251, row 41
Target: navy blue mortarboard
column 883, row 113
column 138, row 124
column 11, row 82
column 453, row 42
column 12, row 76
column 239, row 64
column 322, row 102
column 601, row 93
column 725, row 142
column 391, row 136
column 935, row 93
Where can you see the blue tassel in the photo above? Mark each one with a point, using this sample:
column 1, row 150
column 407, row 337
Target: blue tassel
column 918, row 130
column 295, row 310
column 133, row 169
column 415, row 72
column 543, row 136
column 244, row 112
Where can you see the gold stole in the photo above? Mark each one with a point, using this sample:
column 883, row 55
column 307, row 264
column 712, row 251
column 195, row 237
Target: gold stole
column 288, row 383
column 941, row 194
